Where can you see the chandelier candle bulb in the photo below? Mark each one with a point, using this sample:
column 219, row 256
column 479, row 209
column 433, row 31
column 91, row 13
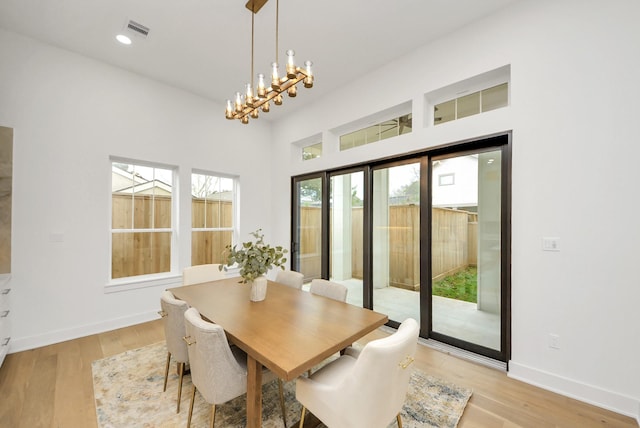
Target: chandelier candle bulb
column 308, row 81
column 249, row 95
column 238, row 102
column 229, row 111
column 262, row 91
column 291, row 66
column 275, row 79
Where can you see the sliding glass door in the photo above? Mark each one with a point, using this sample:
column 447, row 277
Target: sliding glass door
column 424, row 236
column 308, row 226
column 467, row 249
column 396, row 240
column 346, row 232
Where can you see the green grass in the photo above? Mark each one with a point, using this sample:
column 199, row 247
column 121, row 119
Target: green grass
column 462, row 285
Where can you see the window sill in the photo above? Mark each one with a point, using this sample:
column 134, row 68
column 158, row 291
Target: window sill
column 127, row 284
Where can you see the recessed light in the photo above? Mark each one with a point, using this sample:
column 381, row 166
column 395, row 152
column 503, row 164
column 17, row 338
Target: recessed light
column 123, row 39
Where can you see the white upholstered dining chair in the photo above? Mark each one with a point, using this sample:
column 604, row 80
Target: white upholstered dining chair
column 218, row 371
column 329, row 289
column 202, row 273
column 172, row 313
column 290, row 278
column 365, row 388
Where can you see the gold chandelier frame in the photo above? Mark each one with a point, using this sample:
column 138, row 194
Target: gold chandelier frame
column 249, row 105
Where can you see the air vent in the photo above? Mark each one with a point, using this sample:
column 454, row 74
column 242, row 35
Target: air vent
column 138, row 28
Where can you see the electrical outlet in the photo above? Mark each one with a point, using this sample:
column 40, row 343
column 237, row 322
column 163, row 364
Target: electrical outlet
column 554, row 341
column 551, row 244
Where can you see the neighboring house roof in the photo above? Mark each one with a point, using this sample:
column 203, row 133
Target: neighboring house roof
column 125, row 182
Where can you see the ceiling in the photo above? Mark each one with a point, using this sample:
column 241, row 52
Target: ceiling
column 204, row 46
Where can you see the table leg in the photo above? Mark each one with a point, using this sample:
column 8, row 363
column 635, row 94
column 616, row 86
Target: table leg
column 254, row 393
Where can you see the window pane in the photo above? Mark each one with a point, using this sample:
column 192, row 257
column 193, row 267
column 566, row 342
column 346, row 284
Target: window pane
column 212, row 201
column 379, row 131
column 444, row 112
column 405, row 124
column 309, row 228
column 121, row 211
column 396, row 241
column 469, row 105
column 311, row 152
column 466, row 253
column 346, row 224
column 389, row 129
column 346, row 142
column 208, row 246
column 370, row 135
column 122, row 184
column 140, row 253
column 495, row 97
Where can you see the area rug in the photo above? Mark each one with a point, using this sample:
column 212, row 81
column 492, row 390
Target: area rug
column 128, row 393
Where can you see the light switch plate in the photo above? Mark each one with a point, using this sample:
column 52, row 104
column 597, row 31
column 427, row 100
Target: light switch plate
column 550, row 244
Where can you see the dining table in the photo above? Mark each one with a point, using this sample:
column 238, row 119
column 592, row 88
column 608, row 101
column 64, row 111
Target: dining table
column 289, row 332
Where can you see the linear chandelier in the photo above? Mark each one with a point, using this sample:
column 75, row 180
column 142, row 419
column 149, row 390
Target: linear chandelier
column 249, row 105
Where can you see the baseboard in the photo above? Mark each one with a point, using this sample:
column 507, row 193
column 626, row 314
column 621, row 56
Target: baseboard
column 31, row 342
column 590, row 394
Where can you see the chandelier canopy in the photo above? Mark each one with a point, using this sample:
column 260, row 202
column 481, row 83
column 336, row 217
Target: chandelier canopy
column 249, row 103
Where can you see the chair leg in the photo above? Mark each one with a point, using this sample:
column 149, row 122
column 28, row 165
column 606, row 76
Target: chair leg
column 193, row 396
column 282, row 407
column 302, row 416
column 213, row 415
column 181, row 371
column 399, row 419
column 166, row 371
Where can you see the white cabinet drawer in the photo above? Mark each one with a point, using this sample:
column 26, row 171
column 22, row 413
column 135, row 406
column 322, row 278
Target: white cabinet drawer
column 5, row 337
column 5, row 317
column 5, row 296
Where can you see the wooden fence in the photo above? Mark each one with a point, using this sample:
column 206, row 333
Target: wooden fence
column 139, row 253
column 454, row 235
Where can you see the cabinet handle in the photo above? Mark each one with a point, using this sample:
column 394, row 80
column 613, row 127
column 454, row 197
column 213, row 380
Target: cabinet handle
column 6, row 341
column 5, row 314
column 6, row 291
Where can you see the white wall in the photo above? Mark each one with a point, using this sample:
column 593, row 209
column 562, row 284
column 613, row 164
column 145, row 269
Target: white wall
column 574, row 92
column 69, row 114
column 574, row 98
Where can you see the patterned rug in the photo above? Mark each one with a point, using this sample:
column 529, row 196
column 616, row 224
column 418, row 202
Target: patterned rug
column 128, row 393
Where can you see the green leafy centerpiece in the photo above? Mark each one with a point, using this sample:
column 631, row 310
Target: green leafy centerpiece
column 255, row 258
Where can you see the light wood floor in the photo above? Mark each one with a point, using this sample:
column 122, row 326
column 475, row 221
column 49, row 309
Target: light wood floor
column 52, row 387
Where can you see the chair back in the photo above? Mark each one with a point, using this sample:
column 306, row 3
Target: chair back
column 202, row 273
column 214, row 369
column 173, row 320
column 380, row 397
column 290, row 278
column 329, row 289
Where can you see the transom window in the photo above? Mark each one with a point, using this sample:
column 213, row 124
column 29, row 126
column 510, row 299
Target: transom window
column 312, row 151
column 380, row 131
column 474, row 103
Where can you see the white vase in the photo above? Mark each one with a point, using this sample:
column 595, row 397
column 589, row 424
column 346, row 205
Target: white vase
column 258, row 289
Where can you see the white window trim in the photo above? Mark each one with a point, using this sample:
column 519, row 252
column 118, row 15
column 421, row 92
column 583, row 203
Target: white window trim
column 235, row 229
column 151, row 280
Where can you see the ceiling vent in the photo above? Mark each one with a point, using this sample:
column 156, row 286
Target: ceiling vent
column 138, row 29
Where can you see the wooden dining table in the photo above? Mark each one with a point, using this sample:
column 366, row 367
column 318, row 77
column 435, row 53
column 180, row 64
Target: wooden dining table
column 289, row 332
